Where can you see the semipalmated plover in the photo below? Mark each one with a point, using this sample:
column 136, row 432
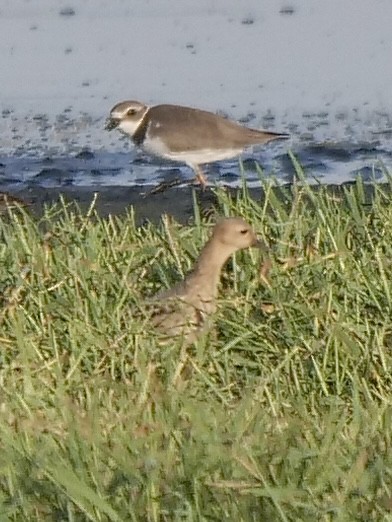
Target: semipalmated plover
column 190, row 136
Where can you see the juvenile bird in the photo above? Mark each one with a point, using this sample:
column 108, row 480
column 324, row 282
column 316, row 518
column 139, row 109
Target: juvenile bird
column 185, row 309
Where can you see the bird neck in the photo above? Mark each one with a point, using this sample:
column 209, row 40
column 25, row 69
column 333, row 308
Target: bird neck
column 141, row 130
column 209, row 265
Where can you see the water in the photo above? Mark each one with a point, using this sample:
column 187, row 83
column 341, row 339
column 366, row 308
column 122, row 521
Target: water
column 320, row 71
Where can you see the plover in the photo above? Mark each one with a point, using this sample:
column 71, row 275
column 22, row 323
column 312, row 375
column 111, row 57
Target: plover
column 184, row 134
column 185, row 309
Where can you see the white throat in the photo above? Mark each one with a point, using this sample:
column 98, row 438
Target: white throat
column 129, row 127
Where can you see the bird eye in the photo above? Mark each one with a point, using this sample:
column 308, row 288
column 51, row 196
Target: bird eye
column 244, row 231
column 131, row 112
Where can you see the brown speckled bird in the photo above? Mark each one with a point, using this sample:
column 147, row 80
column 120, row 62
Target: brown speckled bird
column 185, row 309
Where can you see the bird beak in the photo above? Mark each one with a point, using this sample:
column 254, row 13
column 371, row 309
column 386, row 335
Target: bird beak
column 259, row 243
column 111, row 123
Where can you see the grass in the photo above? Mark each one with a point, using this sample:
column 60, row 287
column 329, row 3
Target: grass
column 284, row 412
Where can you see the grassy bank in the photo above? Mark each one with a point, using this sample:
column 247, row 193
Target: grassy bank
column 282, row 414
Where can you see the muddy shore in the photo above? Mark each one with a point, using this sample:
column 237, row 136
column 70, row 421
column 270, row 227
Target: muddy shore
column 177, row 202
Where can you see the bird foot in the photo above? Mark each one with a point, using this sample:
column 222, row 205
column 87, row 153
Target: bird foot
column 164, row 185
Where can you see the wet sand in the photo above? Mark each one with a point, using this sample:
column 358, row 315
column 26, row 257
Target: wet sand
column 177, row 202
column 116, row 200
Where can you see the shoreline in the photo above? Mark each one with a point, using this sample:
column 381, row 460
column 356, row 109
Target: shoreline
column 176, row 201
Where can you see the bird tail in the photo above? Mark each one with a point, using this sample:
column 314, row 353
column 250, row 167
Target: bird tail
column 262, row 136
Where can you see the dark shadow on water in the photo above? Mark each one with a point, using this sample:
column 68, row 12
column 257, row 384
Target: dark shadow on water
column 177, row 201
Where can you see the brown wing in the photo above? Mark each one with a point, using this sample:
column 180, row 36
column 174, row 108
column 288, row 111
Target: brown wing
column 175, row 319
column 211, row 129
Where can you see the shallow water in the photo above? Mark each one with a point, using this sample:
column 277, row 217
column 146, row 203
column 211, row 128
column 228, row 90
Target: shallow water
column 318, row 71
column 333, row 163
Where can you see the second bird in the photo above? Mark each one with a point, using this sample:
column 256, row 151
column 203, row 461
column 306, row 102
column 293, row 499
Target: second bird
column 183, row 134
column 185, row 309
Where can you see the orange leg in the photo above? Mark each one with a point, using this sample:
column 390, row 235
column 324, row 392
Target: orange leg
column 200, row 177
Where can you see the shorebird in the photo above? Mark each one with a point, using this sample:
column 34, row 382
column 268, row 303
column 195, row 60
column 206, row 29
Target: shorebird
column 185, row 310
column 184, row 134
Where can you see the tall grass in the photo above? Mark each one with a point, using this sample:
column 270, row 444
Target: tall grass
column 283, row 413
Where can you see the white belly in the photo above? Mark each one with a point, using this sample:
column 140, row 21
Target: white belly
column 190, row 157
column 198, row 157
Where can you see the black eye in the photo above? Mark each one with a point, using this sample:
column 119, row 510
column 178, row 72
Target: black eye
column 131, row 112
column 244, row 231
